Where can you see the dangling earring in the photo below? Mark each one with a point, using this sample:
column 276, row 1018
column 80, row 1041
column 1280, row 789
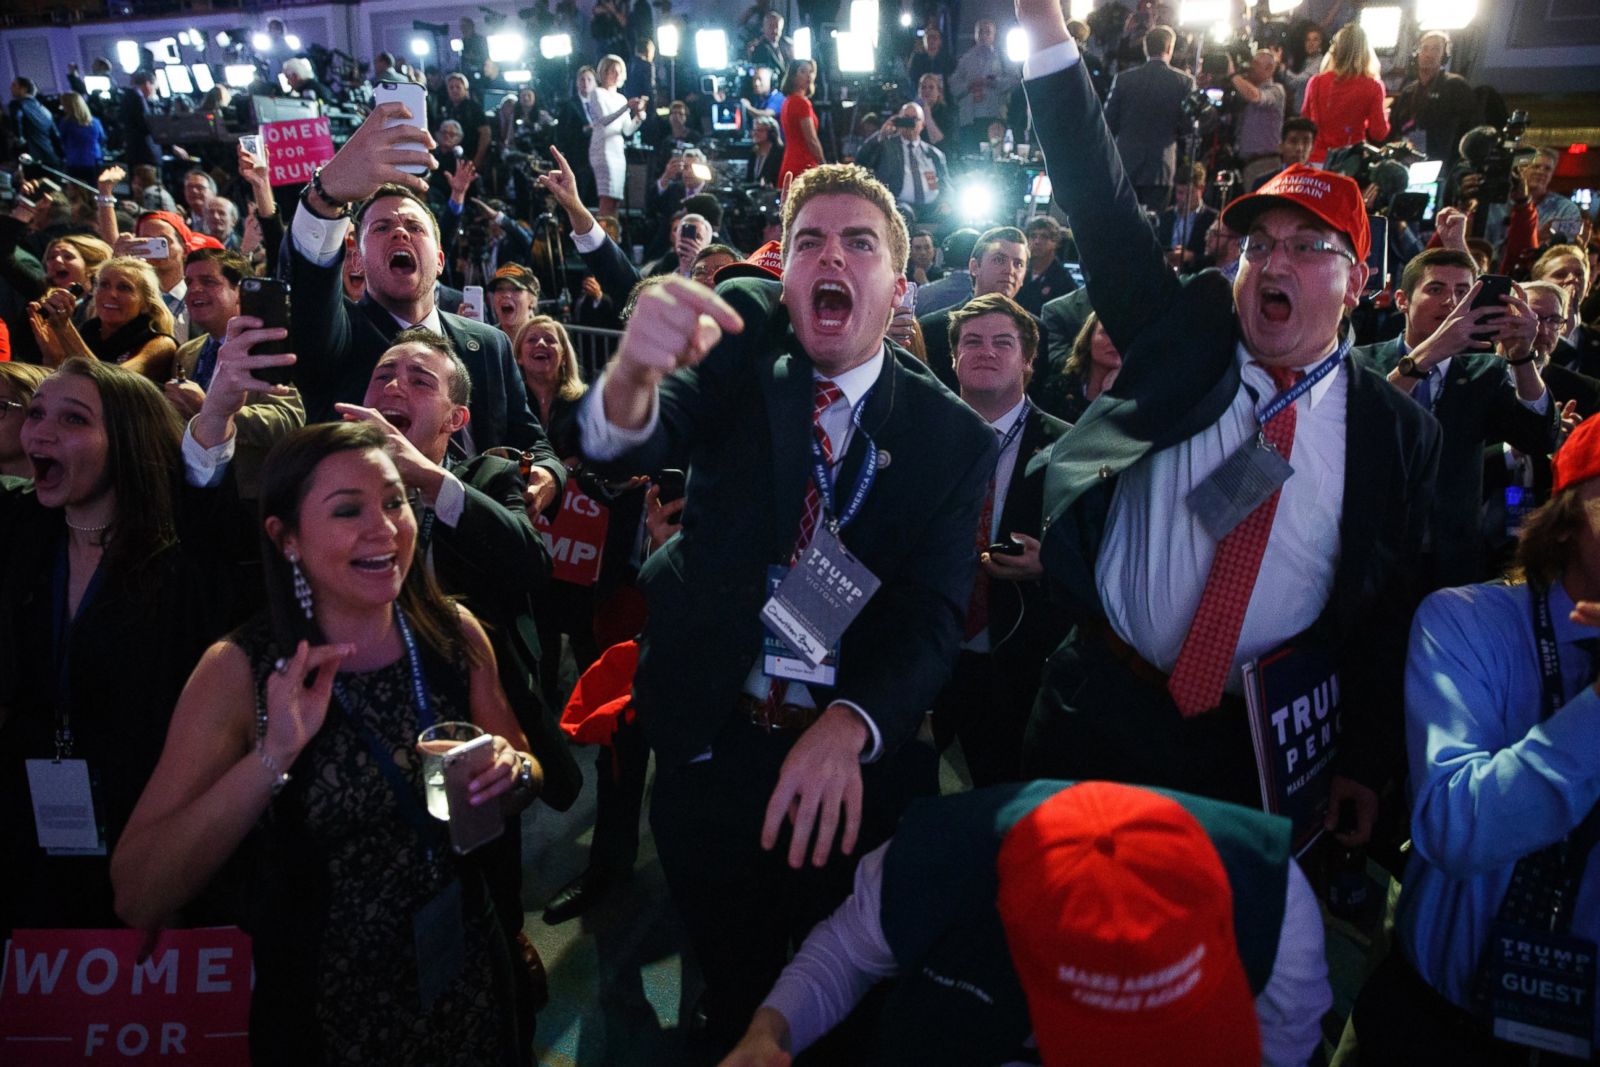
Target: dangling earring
column 302, row 588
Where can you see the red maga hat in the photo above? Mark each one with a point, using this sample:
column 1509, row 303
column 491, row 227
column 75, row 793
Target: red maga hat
column 1119, row 917
column 764, row 262
column 1333, row 198
column 192, row 242
column 1578, row 459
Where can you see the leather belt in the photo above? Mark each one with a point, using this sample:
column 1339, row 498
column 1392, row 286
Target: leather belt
column 772, row 719
column 1128, row 656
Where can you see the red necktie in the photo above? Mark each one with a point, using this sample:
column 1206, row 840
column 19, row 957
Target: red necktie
column 978, row 603
column 826, row 393
column 1207, row 655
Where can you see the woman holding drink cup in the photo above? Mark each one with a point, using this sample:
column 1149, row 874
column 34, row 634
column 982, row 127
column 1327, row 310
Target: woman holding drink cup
column 298, row 736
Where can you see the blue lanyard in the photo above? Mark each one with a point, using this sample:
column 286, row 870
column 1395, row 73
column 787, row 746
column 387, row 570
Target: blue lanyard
column 824, row 477
column 1294, row 392
column 1011, row 434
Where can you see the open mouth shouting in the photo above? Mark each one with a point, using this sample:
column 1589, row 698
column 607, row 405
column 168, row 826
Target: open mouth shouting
column 398, row 417
column 1275, row 304
column 49, row 474
column 402, row 261
column 832, row 303
column 506, row 306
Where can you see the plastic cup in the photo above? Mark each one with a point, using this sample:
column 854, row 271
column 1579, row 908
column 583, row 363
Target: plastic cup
column 432, row 744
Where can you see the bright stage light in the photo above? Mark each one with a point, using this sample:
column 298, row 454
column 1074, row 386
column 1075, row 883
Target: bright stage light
column 555, row 45
column 517, row 77
column 1016, row 44
column 864, row 20
column 178, row 78
column 1202, row 12
column 711, row 49
column 855, row 53
column 421, row 47
column 1383, row 27
column 905, row 20
column 239, row 75
column 202, row 77
column 1282, row 7
column 667, row 40
column 977, row 202
column 1446, row 14
column 292, row 41
column 128, row 56
column 260, row 41
column 802, row 43
column 506, row 47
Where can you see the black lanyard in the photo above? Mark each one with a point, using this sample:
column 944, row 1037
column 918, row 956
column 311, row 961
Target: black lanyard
column 61, row 620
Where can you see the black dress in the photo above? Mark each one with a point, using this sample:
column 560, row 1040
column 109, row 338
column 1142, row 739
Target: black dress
column 339, row 873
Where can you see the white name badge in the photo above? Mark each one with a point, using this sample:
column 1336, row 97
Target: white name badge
column 819, row 598
column 63, row 808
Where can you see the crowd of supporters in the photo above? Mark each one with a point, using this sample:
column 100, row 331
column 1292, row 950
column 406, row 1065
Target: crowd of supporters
column 1224, row 434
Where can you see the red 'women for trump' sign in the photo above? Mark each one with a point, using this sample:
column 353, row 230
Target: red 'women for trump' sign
column 99, row 996
column 295, row 148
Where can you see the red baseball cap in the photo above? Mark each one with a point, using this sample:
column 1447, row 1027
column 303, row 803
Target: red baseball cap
column 1119, row 917
column 1578, row 459
column 1333, row 198
column 192, row 242
column 764, row 262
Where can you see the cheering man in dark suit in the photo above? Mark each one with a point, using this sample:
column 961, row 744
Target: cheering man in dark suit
column 1145, row 112
column 785, row 396
column 1148, row 688
column 1480, row 398
column 339, row 340
column 1011, row 626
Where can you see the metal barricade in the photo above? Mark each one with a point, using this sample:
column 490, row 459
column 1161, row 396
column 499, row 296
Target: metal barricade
column 594, row 347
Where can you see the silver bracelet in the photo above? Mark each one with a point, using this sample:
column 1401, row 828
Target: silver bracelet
column 280, row 777
column 105, row 198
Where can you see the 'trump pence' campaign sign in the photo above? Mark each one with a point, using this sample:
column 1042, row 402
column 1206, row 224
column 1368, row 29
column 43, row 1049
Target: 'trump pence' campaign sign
column 86, row 996
column 296, row 147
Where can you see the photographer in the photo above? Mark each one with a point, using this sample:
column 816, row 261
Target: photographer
column 1433, row 109
column 1559, row 218
column 1258, row 126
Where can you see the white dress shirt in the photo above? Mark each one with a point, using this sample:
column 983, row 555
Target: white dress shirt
column 916, row 167
column 1156, row 555
column 603, row 440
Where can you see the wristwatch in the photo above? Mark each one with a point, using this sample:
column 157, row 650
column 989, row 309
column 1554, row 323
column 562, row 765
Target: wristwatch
column 524, row 771
column 1409, row 368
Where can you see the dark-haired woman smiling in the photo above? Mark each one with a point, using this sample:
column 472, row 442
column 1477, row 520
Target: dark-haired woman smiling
column 373, row 942
column 102, row 616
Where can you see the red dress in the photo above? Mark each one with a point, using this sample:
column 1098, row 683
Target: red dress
column 797, row 155
column 1346, row 111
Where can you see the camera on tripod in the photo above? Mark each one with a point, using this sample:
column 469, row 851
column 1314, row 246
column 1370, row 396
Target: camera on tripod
column 1491, row 154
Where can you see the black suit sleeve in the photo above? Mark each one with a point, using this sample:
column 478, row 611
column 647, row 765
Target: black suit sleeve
column 1129, row 281
column 1528, row 431
column 493, row 552
column 612, row 269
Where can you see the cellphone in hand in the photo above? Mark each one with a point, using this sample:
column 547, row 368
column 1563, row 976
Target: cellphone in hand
column 1491, row 287
column 251, row 143
column 470, row 826
column 267, row 299
column 669, row 485
column 472, row 303
column 148, row 247
column 1005, row 548
column 415, row 98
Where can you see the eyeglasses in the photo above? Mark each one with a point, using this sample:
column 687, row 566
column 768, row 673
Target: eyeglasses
column 1258, row 248
column 1552, row 320
column 6, row 407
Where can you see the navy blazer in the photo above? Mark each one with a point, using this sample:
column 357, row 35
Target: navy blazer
column 743, row 417
column 1179, row 375
column 885, row 156
column 339, row 342
column 1478, row 406
column 1144, row 110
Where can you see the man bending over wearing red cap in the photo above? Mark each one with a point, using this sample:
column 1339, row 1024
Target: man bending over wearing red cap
column 1244, row 485
column 1116, row 925
column 1498, row 916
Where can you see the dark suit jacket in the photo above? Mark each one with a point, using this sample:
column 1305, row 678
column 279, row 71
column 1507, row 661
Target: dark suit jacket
column 1180, row 373
column 1055, row 282
column 743, row 416
column 339, row 341
column 1566, row 384
column 936, row 342
column 1023, row 625
column 1196, row 244
column 612, row 268
column 1478, row 406
column 1143, row 113
column 1583, row 357
column 1499, row 547
column 497, row 562
column 886, row 157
